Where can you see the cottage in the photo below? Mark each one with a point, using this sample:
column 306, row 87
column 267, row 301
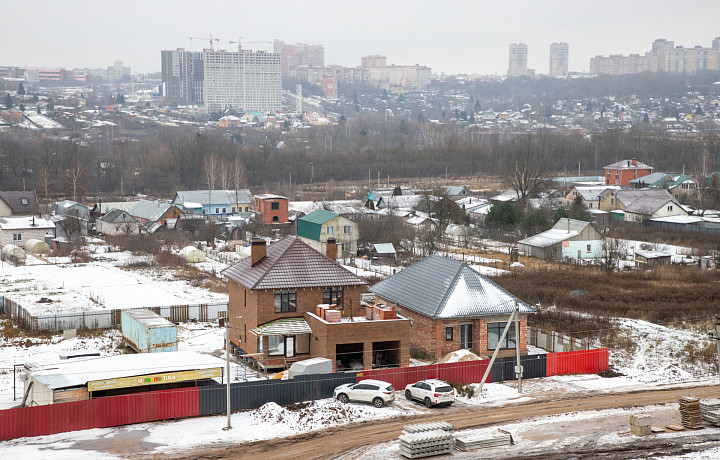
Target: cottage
column 568, row 239
column 275, row 318
column 453, row 307
column 18, row 230
column 589, row 195
column 117, row 222
column 18, row 203
column 155, row 214
column 317, row 227
column 215, row 202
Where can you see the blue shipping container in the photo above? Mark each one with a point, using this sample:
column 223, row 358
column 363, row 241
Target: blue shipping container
column 147, row 332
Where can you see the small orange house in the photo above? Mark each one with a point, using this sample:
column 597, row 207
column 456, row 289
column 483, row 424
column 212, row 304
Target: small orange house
column 271, row 209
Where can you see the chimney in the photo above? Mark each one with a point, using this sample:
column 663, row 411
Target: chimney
column 634, row 161
column 258, row 250
column 331, row 249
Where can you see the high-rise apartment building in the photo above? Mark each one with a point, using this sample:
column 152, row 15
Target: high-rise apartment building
column 244, row 80
column 299, row 54
column 182, row 76
column 663, row 56
column 559, row 53
column 518, row 60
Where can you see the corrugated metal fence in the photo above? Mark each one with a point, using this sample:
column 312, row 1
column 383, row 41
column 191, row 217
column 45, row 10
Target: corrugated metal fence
column 189, row 402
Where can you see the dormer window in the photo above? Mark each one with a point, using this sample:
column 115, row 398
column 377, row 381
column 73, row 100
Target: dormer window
column 24, row 201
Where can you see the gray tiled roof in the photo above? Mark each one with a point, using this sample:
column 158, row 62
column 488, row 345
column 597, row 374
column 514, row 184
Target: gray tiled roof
column 290, row 263
column 442, row 288
column 14, row 199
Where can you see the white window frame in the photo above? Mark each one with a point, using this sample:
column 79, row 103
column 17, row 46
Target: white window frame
column 17, row 236
column 329, row 230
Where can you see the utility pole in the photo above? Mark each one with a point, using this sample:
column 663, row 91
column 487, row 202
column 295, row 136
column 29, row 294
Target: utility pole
column 518, row 367
column 716, row 336
column 495, row 353
column 227, row 368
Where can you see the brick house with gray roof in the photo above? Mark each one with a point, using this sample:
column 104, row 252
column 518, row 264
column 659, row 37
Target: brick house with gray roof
column 273, row 309
column 451, row 307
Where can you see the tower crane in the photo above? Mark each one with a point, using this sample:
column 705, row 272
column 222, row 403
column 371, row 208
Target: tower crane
column 240, row 42
column 211, row 40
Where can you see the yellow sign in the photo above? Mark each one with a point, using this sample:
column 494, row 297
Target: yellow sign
column 154, row 379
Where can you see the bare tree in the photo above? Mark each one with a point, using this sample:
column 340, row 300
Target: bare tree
column 212, row 168
column 525, row 168
column 76, row 179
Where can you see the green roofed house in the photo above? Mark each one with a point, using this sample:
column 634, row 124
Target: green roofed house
column 316, row 227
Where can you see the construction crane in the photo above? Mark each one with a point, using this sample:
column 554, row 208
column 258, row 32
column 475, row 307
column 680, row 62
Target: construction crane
column 240, row 42
column 211, row 40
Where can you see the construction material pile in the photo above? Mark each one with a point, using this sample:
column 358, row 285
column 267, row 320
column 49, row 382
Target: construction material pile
column 690, row 412
column 710, row 411
column 640, row 424
column 420, row 427
column 426, row 443
column 482, row 441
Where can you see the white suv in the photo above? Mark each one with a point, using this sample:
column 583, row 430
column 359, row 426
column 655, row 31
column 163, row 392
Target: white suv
column 431, row 392
column 375, row 391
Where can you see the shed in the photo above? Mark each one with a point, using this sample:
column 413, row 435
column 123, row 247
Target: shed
column 148, row 332
column 192, row 255
column 37, row 247
column 648, row 259
column 384, row 252
column 12, row 252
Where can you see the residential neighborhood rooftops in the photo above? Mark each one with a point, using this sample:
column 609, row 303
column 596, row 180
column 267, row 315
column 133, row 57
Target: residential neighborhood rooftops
column 443, row 288
column 291, row 263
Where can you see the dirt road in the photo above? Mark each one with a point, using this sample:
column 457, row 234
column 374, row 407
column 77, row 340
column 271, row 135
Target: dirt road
column 335, row 442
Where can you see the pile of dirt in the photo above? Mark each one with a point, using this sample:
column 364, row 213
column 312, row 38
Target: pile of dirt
column 460, row 356
column 308, row 416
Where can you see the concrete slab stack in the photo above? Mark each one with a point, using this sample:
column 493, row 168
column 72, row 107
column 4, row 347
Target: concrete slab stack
column 426, row 443
column 710, row 411
column 420, row 427
column 690, row 412
column 473, row 442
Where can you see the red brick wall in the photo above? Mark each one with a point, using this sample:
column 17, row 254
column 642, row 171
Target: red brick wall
column 264, row 207
column 428, row 335
column 625, row 176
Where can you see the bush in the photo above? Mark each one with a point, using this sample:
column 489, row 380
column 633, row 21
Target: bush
column 463, row 390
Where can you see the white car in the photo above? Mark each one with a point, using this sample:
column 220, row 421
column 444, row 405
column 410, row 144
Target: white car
column 375, row 391
column 432, row 392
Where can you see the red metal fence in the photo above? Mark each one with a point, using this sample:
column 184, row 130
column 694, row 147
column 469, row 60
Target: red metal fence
column 399, row 377
column 577, row 362
column 98, row 413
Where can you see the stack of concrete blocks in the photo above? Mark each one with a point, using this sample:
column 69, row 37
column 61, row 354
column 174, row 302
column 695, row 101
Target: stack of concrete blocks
column 426, row 443
column 640, row 424
column 710, row 410
column 333, row 316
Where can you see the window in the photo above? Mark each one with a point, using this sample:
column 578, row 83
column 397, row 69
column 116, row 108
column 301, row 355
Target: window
column 17, row 236
column 347, row 229
column 224, row 210
column 346, row 247
column 449, row 334
column 495, row 330
column 23, row 200
column 589, row 246
column 670, row 208
column 246, row 209
column 217, row 210
column 233, row 209
column 275, row 219
column 329, row 230
column 333, row 296
column 612, row 201
column 276, row 345
column 275, row 206
column 466, row 341
column 285, row 301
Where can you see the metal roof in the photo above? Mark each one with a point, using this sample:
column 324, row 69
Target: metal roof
column 651, row 254
column 79, row 372
column 150, row 210
column 310, row 226
column 442, row 288
column 384, row 248
column 285, row 326
column 319, row 216
column 219, row 197
column 563, row 230
column 118, row 215
column 291, row 263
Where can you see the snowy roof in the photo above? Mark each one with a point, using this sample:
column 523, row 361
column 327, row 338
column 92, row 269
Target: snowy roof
column 651, row 254
column 219, row 197
column 507, row 195
column 79, row 372
column 384, row 248
column 25, row 222
column 442, row 288
column 150, row 210
column 283, row 326
column 147, row 318
column 563, row 230
column 628, row 197
column 680, row 219
column 270, row 196
column 628, row 164
column 124, row 205
column 592, row 193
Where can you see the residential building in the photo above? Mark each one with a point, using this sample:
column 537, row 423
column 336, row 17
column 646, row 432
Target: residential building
column 559, row 55
column 18, row 230
column 646, row 208
column 622, row 172
column 453, row 307
column 156, row 214
column 376, row 72
column 518, row 60
column 590, row 195
column 215, row 202
column 330, row 86
column 18, row 203
column 117, row 222
column 567, row 239
column 299, row 54
column 271, row 209
column 243, row 80
column 319, row 226
column 275, row 318
column 182, row 76
column 618, row 200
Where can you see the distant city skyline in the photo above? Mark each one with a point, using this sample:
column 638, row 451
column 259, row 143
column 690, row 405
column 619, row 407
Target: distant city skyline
column 453, row 37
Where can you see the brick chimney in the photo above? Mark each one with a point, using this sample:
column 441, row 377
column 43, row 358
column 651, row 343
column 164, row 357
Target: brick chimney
column 331, row 249
column 258, row 250
column 634, row 161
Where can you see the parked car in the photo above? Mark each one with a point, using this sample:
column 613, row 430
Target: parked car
column 375, row 391
column 432, row 392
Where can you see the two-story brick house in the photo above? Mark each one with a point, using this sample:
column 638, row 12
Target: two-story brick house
column 273, row 310
column 622, row 172
column 453, row 307
column 271, row 209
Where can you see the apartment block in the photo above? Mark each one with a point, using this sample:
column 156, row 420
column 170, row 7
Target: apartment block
column 518, row 60
column 559, row 54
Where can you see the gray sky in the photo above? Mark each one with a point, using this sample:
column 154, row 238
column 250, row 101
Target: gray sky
column 452, row 36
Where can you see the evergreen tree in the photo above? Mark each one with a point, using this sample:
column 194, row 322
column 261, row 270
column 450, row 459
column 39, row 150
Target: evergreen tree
column 646, row 118
column 8, row 101
column 21, row 90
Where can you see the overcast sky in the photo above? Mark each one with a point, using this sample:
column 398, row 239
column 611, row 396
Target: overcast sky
column 449, row 36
